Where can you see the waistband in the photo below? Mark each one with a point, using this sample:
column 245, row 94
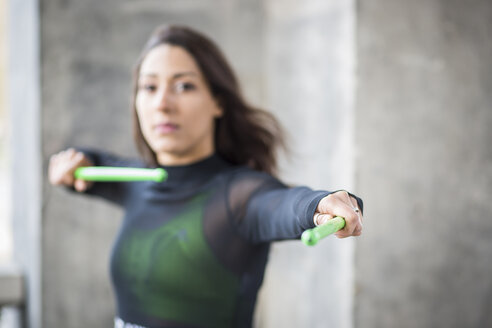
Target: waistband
column 119, row 323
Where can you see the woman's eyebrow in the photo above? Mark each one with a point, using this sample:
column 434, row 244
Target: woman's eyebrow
column 174, row 76
column 181, row 74
column 147, row 75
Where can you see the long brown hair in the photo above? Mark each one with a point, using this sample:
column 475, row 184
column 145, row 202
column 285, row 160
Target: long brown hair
column 244, row 135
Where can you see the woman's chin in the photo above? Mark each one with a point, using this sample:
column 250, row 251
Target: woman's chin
column 165, row 146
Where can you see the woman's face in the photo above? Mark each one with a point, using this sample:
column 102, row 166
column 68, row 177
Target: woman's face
column 175, row 107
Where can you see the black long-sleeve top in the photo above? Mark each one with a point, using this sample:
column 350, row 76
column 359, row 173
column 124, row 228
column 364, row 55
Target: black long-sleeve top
column 191, row 251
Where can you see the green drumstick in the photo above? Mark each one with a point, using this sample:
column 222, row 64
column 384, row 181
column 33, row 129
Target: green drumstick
column 107, row 173
column 311, row 237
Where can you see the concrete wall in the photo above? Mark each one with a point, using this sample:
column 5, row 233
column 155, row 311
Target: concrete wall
column 422, row 158
column 278, row 48
column 424, row 115
column 88, row 51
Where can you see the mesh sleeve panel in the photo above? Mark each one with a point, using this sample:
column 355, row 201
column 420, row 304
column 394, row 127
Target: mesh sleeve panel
column 263, row 209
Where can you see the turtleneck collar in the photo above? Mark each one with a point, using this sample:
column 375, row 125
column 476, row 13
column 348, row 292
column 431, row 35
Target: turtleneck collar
column 196, row 172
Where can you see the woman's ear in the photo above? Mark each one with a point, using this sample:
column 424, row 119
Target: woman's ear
column 219, row 107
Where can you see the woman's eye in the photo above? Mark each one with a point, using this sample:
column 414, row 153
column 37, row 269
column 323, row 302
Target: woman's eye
column 184, row 86
column 148, row 87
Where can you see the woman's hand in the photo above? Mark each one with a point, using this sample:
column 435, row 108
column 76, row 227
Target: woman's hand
column 62, row 167
column 341, row 204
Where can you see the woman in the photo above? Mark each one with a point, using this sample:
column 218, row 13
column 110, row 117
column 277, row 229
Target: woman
column 192, row 250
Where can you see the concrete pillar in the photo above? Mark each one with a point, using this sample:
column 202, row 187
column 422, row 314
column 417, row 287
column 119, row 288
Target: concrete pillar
column 425, row 168
column 310, row 74
column 5, row 199
column 25, row 148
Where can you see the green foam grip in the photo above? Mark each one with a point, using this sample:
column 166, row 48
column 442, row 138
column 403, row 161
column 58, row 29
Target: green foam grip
column 107, row 173
column 311, row 237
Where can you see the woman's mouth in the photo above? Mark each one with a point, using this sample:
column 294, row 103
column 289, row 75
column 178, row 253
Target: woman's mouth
column 165, row 128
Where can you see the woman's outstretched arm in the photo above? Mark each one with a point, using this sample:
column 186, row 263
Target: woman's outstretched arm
column 63, row 165
column 263, row 209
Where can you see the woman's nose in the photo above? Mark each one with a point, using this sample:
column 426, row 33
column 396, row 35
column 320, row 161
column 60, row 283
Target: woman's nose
column 165, row 100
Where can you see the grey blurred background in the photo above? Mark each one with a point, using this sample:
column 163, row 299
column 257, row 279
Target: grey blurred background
column 391, row 99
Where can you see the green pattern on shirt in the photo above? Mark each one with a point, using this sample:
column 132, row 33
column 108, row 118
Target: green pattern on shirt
column 174, row 275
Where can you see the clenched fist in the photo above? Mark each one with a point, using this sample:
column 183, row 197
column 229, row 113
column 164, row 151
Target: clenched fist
column 62, row 167
column 340, row 203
